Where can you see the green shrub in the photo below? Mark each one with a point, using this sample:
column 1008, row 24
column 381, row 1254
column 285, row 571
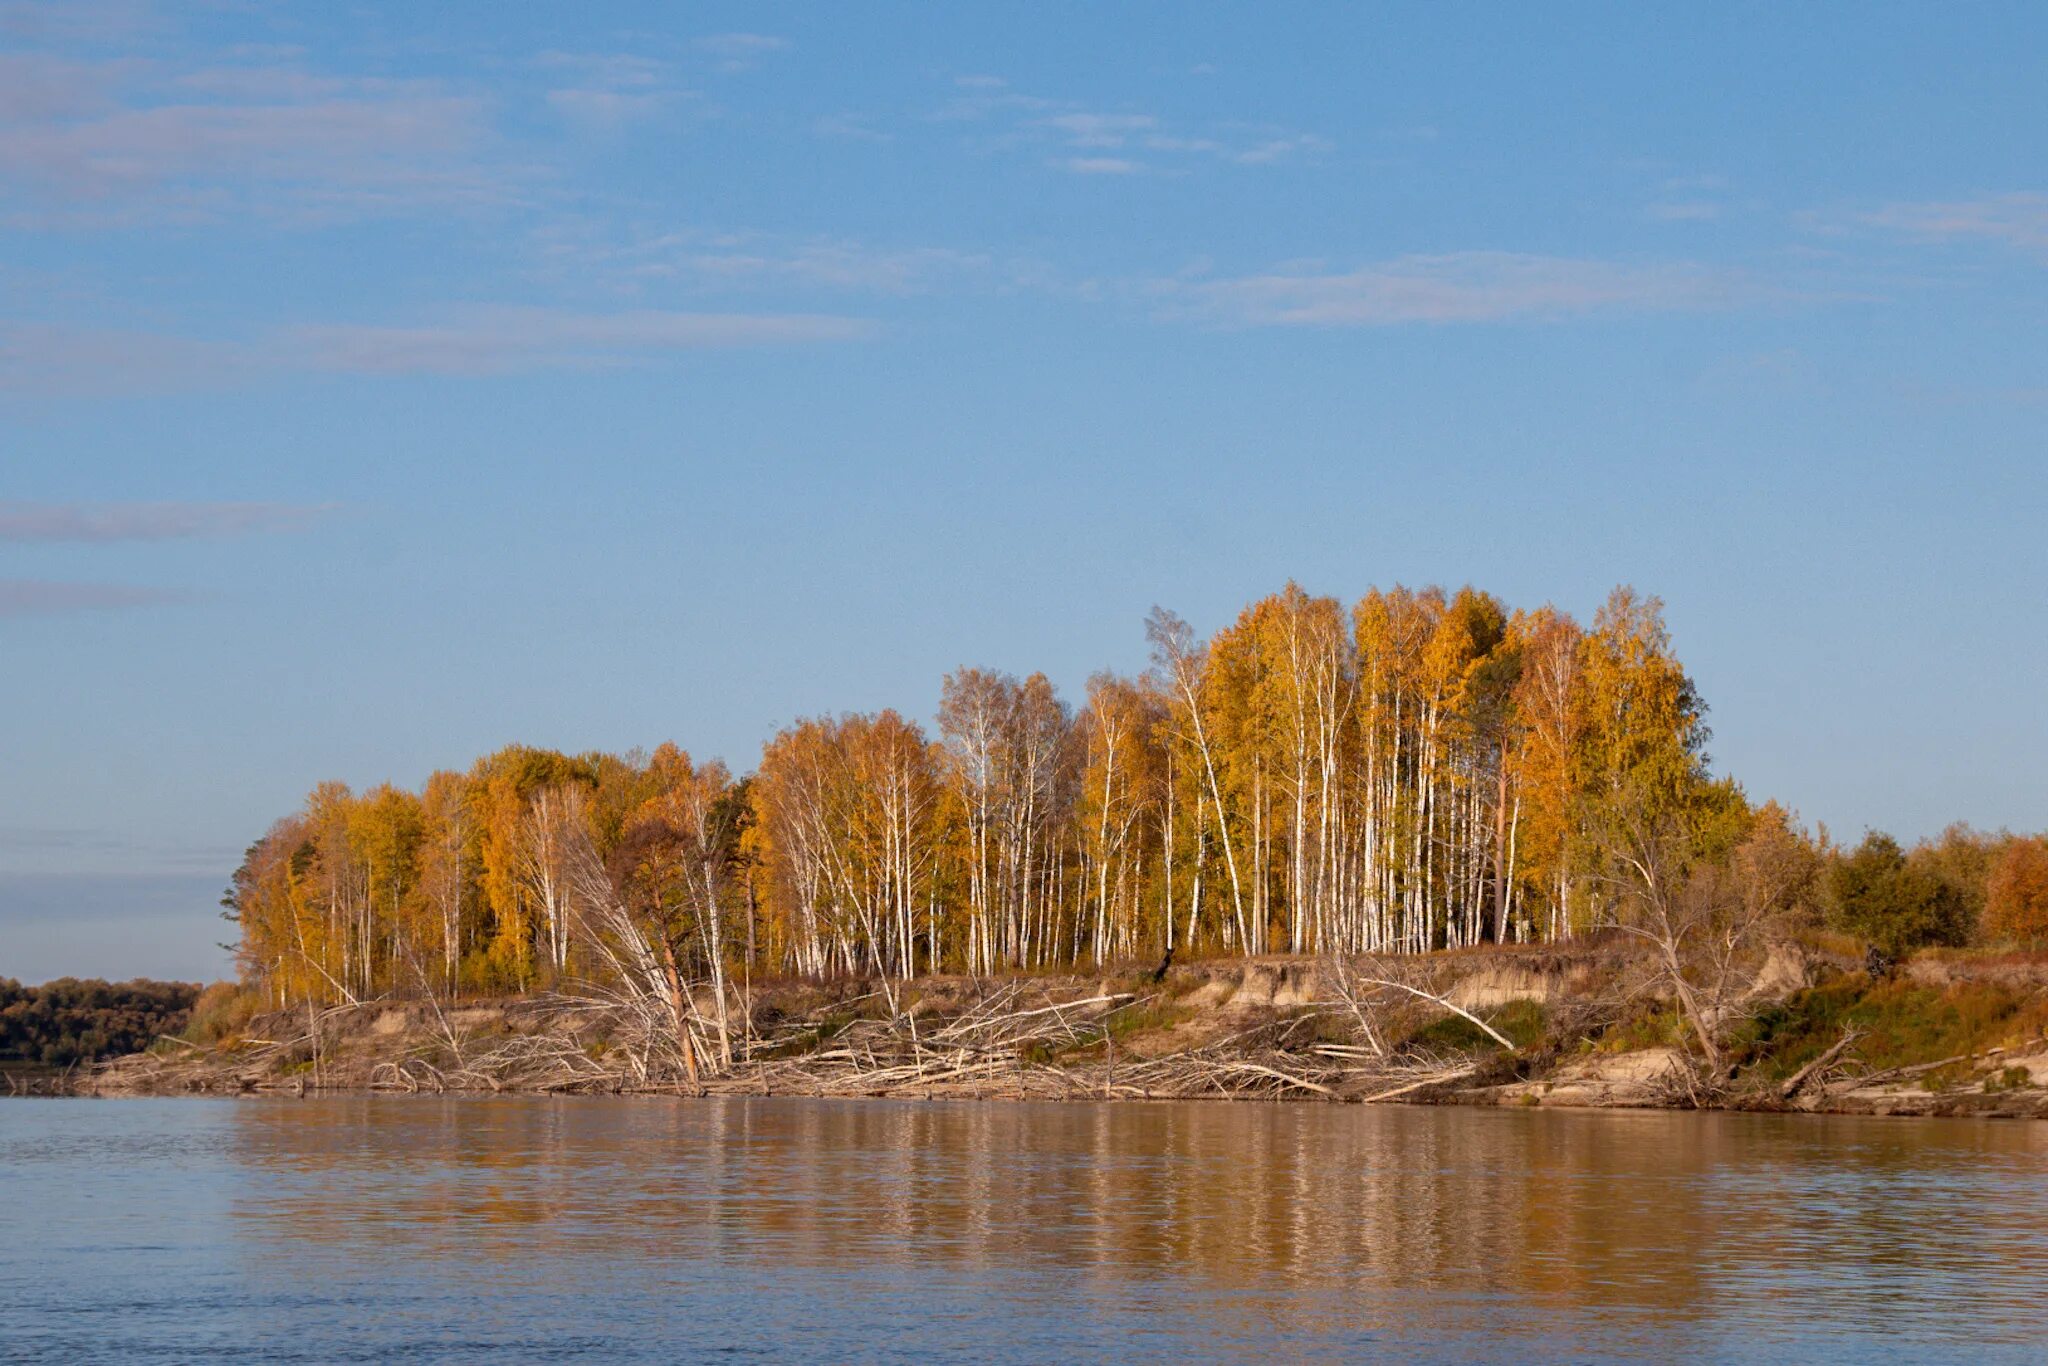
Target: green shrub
column 1895, row 903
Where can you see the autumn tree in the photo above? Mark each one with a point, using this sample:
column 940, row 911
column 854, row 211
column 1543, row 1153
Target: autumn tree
column 2016, row 893
column 1426, row 770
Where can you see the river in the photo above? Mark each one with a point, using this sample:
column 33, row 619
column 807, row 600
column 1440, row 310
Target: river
column 430, row 1229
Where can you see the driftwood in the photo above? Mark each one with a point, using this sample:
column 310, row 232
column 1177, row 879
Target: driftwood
column 1503, row 1040
column 1798, row 1080
column 1919, row 1069
column 1023, row 1038
column 1433, row 1079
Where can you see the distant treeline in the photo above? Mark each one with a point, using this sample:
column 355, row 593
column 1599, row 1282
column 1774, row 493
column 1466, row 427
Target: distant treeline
column 69, row 1020
column 1417, row 770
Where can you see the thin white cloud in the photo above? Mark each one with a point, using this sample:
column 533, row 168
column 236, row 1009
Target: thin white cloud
column 274, row 83
column 38, row 597
column 722, row 261
column 838, row 265
column 853, row 127
column 88, row 22
column 119, row 143
column 1100, row 130
column 741, row 44
column 611, row 108
column 611, row 89
column 2017, row 220
column 1278, row 149
column 22, row 520
column 43, row 361
column 608, row 70
column 34, row 86
column 1457, row 287
column 1110, row 166
column 333, row 140
column 1687, row 211
column 982, row 97
column 741, row 51
column 510, row 340
column 1094, row 142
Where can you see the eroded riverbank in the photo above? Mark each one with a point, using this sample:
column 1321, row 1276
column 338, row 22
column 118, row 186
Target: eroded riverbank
column 1577, row 1026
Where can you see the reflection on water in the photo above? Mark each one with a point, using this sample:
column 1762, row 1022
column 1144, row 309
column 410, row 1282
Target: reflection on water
column 450, row 1229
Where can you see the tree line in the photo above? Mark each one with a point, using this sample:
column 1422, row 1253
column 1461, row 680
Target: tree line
column 71, row 1020
column 1418, row 771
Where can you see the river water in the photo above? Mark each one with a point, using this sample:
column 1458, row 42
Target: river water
column 427, row 1229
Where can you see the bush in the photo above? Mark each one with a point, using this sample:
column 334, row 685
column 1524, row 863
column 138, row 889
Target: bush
column 71, row 1021
column 1893, row 902
column 222, row 1011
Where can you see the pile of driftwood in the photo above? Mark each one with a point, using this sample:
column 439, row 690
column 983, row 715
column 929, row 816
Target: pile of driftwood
column 1023, row 1043
column 1019, row 1039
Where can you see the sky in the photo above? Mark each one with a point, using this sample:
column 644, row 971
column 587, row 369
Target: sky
column 382, row 384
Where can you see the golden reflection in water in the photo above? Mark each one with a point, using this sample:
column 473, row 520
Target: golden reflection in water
column 1257, row 1214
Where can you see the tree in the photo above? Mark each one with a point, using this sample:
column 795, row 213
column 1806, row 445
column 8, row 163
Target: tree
column 1893, row 903
column 1963, row 858
column 1704, row 908
column 1438, row 773
column 1551, row 717
column 1179, row 663
column 2016, row 895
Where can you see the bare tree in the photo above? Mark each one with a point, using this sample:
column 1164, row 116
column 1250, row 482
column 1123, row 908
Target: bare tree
column 1705, row 920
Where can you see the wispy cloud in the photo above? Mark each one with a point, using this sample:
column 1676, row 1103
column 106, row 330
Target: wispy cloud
column 115, row 142
column 610, row 70
column 1457, row 287
column 1100, row 130
column 506, row 340
column 37, row 597
column 86, row 22
column 35, row 850
column 854, row 127
column 741, row 44
column 980, row 96
column 707, row 261
column 1274, row 149
column 22, row 520
column 840, row 265
column 2017, row 220
column 1084, row 141
column 740, row 51
column 611, row 89
column 47, row 360
column 35, row 87
column 1682, row 211
column 612, row 108
column 43, row 360
column 1100, row 165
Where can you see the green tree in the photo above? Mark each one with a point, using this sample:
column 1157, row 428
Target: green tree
column 1895, row 903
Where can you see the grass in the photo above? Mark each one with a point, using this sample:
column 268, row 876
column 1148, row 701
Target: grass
column 1655, row 1026
column 1902, row 1023
column 1524, row 1022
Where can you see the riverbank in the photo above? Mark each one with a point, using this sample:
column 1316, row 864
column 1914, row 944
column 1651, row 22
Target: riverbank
column 1579, row 1025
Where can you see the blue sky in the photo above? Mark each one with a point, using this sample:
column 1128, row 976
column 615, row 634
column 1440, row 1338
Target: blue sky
column 383, row 384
